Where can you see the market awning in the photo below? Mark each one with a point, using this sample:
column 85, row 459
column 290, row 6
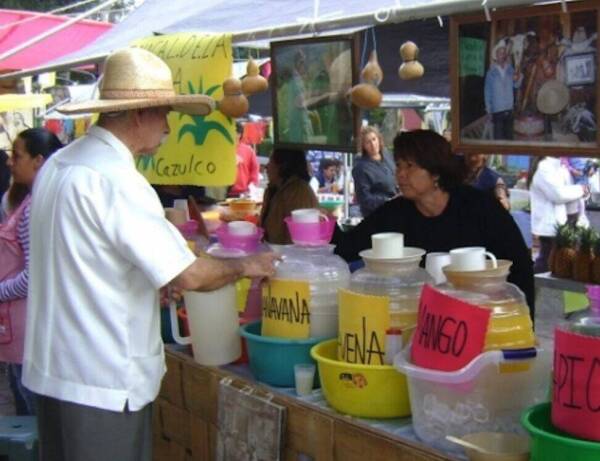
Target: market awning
column 17, row 27
column 23, row 101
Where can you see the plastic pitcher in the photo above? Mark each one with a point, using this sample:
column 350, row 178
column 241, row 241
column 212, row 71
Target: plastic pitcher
column 213, row 323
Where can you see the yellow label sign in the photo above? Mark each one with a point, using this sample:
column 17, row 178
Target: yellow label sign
column 286, row 309
column 363, row 321
column 201, row 148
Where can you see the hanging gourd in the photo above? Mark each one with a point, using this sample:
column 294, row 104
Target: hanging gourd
column 411, row 68
column 253, row 82
column 234, row 103
column 366, row 95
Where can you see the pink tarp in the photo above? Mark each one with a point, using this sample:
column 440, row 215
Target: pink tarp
column 56, row 45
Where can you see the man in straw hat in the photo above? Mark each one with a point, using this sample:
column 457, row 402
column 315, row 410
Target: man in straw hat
column 500, row 82
column 100, row 250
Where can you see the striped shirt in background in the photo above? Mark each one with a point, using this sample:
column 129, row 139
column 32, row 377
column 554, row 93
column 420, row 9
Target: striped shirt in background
column 16, row 287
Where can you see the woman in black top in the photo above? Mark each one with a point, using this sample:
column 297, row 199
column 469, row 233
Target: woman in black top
column 437, row 212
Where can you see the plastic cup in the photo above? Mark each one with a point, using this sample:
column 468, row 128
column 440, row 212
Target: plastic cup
column 304, row 376
column 241, row 228
column 434, row 262
column 307, row 215
column 470, row 258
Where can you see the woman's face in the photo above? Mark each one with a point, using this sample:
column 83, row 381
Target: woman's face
column 475, row 161
column 371, row 144
column 272, row 171
column 22, row 165
column 414, row 182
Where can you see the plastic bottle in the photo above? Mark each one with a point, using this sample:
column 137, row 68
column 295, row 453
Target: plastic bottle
column 587, row 321
column 393, row 344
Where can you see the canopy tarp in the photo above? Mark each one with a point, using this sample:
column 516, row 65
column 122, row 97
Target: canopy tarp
column 23, row 101
column 16, row 27
column 252, row 20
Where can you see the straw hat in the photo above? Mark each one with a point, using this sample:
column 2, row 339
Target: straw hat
column 552, row 97
column 136, row 79
column 501, row 44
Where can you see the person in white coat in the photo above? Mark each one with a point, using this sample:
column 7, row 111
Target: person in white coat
column 550, row 191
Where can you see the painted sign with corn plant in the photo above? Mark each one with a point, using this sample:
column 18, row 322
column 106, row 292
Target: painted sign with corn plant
column 200, row 149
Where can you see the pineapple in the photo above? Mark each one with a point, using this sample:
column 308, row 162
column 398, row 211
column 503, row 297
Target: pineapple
column 582, row 266
column 558, row 229
column 564, row 254
column 596, row 264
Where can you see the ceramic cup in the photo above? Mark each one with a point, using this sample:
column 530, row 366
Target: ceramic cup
column 470, row 258
column 308, row 215
column 387, row 245
column 434, row 262
column 176, row 216
column 241, row 228
column 182, row 204
column 304, row 376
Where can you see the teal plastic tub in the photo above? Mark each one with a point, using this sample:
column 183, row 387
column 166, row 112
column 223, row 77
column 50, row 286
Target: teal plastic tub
column 551, row 444
column 272, row 359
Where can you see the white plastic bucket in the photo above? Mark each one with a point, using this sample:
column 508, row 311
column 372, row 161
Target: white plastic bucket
column 214, row 326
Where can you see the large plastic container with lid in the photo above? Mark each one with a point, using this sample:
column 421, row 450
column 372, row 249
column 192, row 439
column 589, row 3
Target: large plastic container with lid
column 389, row 284
column 510, row 323
column 324, row 273
column 587, row 321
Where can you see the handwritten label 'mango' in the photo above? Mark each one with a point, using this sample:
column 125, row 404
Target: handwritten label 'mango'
column 286, row 309
column 450, row 332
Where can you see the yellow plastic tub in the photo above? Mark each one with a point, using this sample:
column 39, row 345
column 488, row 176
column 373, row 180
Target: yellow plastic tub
column 368, row 391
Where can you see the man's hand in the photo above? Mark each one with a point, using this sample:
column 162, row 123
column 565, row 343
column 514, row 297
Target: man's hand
column 260, row 265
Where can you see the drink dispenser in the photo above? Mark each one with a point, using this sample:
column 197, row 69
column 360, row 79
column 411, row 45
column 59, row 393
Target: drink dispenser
column 510, row 323
column 311, row 265
column 385, row 293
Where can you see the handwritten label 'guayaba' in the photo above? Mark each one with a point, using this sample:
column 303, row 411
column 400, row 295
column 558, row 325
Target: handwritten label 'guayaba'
column 363, row 320
column 450, row 332
column 286, row 309
column 576, row 384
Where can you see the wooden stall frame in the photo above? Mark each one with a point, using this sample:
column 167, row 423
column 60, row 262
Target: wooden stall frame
column 514, row 147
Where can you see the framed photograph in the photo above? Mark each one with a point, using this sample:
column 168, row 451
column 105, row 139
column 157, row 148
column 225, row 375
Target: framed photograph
column 310, row 80
column 525, row 82
column 580, row 69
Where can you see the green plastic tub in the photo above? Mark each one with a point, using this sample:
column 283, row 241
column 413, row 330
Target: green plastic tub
column 551, row 444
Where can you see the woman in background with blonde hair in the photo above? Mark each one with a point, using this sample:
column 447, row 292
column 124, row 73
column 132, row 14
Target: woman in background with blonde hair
column 373, row 172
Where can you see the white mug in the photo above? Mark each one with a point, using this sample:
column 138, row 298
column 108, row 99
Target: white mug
column 387, row 245
column 434, row 263
column 471, row 258
column 308, row 215
column 182, row 204
column 241, row 228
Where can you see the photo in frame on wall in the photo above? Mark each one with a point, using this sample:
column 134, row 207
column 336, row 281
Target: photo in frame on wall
column 526, row 81
column 310, row 81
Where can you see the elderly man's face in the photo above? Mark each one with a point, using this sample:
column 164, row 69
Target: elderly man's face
column 154, row 128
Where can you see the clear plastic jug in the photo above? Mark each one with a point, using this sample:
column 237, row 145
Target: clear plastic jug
column 325, row 273
column 510, row 324
column 587, row 321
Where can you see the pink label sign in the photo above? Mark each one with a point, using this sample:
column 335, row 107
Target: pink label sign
column 576, row 384
column 450, row 332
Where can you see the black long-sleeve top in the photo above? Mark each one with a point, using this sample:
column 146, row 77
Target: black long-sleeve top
column 471, row 218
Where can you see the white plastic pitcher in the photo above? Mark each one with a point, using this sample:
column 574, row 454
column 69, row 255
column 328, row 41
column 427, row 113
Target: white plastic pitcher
column 214, row 325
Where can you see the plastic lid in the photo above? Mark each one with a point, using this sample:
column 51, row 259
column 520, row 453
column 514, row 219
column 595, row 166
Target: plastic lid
column 393, row 331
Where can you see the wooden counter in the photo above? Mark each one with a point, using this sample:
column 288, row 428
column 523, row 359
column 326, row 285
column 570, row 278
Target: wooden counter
column 185, row 422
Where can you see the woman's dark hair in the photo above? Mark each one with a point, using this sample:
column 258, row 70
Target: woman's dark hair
column 40, row 141
column 291, row 162
column 433, row 153
column 4, row 172
column 533, row 166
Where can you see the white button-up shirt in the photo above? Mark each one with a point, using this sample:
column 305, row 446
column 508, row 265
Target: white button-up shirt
column 100, row 250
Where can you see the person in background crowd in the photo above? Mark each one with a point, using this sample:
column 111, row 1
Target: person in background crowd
column 101, row 249
column 550, row 191
column 499, row 91
column 4, row 180
column 328, row 176
column 580, row 174
column 247, row 165
column 437, row 212
column 482, row 177
column 288, row 190
column 373, row 172
column 31, row 149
